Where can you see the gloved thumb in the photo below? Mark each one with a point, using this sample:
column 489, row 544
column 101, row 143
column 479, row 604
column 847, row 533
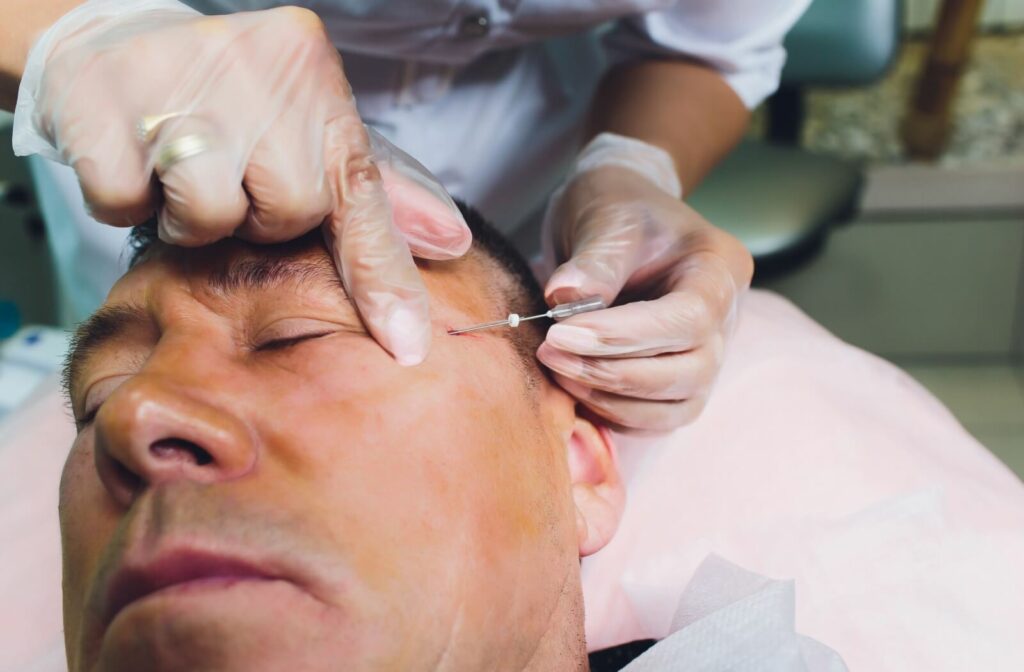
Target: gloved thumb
column 422, row 209
column 432, row 225
column 603, row 258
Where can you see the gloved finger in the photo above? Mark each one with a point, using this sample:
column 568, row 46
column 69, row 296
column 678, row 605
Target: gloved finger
column 203, row 196
column 291, row 77
column 607, row 245
column 422, row 209
column 112, row 172
column 628, row 413
column 286, row 179
column 667, row 377
column 699, row 303
column 374, row 260
column 606, row 250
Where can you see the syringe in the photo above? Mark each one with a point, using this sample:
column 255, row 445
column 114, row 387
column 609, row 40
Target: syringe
column 559, row 312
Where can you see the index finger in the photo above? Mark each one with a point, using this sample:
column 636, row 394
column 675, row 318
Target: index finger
column 376, row 265
column 99, row 142
column 700, row 302
column 373, row 259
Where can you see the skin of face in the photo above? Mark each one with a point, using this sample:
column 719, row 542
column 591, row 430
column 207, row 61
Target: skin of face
column 342, row 511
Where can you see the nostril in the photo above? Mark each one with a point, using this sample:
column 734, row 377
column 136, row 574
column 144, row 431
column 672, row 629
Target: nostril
column 180, row 450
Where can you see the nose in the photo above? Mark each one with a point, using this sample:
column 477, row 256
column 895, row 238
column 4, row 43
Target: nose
column 151, row 431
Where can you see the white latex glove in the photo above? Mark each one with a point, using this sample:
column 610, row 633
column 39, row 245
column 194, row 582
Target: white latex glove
column 623, row 232
column 261, row 139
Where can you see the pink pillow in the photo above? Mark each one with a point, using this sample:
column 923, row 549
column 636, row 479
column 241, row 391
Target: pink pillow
column 818, row 462
column 34, row 441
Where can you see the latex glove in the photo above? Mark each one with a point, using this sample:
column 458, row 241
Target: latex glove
column 623, row 232
column 284, row 149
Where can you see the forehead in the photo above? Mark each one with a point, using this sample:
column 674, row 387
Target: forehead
column 240, row 270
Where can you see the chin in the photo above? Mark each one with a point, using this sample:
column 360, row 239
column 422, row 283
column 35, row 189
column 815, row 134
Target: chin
column 227, row 626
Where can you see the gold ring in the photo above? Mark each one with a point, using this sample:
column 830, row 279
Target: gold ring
column 148, row 125
column 180, row 149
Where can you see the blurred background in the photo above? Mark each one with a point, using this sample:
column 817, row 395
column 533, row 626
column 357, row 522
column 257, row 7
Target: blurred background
column 882, row 190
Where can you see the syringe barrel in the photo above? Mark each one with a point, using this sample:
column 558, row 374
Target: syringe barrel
column 564, row 310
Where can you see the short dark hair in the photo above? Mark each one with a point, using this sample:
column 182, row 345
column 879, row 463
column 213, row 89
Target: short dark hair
column 522, row 293
column 518, row 288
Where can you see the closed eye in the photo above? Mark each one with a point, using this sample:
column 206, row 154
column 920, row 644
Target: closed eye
column 283, row 343
column 96, row 395
column 87, row 419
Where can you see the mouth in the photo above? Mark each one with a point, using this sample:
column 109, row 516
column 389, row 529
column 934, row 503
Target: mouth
column 183, row 569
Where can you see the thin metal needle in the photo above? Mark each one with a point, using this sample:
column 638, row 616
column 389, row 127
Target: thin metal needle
column 559, row 312
column 499, row 323
column 478, row 327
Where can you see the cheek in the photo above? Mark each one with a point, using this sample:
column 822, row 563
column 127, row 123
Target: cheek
column 437, row 469
column 88, row 519
column 465, row 395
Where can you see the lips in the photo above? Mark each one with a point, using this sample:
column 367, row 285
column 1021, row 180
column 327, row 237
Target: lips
column 179, row 568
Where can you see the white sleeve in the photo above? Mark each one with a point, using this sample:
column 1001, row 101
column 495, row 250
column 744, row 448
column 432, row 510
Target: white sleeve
column 742, row 39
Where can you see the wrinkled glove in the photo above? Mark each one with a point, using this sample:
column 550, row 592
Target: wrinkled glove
column 232, row 125
column 619, row 230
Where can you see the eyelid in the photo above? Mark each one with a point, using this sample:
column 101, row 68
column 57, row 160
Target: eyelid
column 284, row 331
column 89, row 416
column 96, row 395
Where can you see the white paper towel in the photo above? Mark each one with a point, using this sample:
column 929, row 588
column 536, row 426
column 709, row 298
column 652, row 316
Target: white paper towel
column 732, row 619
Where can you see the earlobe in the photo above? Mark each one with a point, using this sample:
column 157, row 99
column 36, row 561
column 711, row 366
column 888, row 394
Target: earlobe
column 597, row 489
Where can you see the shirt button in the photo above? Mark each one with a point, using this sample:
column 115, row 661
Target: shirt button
column 475, row 25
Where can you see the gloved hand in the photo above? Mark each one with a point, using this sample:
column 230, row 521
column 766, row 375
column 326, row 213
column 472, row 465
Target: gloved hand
column 623, row 233
column 249, row 124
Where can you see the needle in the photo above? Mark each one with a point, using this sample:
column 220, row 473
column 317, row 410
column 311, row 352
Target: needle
column 559, row 312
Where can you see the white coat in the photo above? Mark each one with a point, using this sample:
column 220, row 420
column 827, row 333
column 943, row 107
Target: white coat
column 490, row 95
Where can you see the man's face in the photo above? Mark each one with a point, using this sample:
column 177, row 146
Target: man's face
column 263, row 487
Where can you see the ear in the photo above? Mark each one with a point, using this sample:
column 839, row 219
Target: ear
column 597, row 490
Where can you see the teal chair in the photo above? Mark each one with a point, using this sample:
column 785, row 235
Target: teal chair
column 782, row 201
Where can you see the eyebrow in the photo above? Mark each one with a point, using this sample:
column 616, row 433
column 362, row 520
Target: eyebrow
column 263, row 272
column 103, row 326
column 250, row 274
